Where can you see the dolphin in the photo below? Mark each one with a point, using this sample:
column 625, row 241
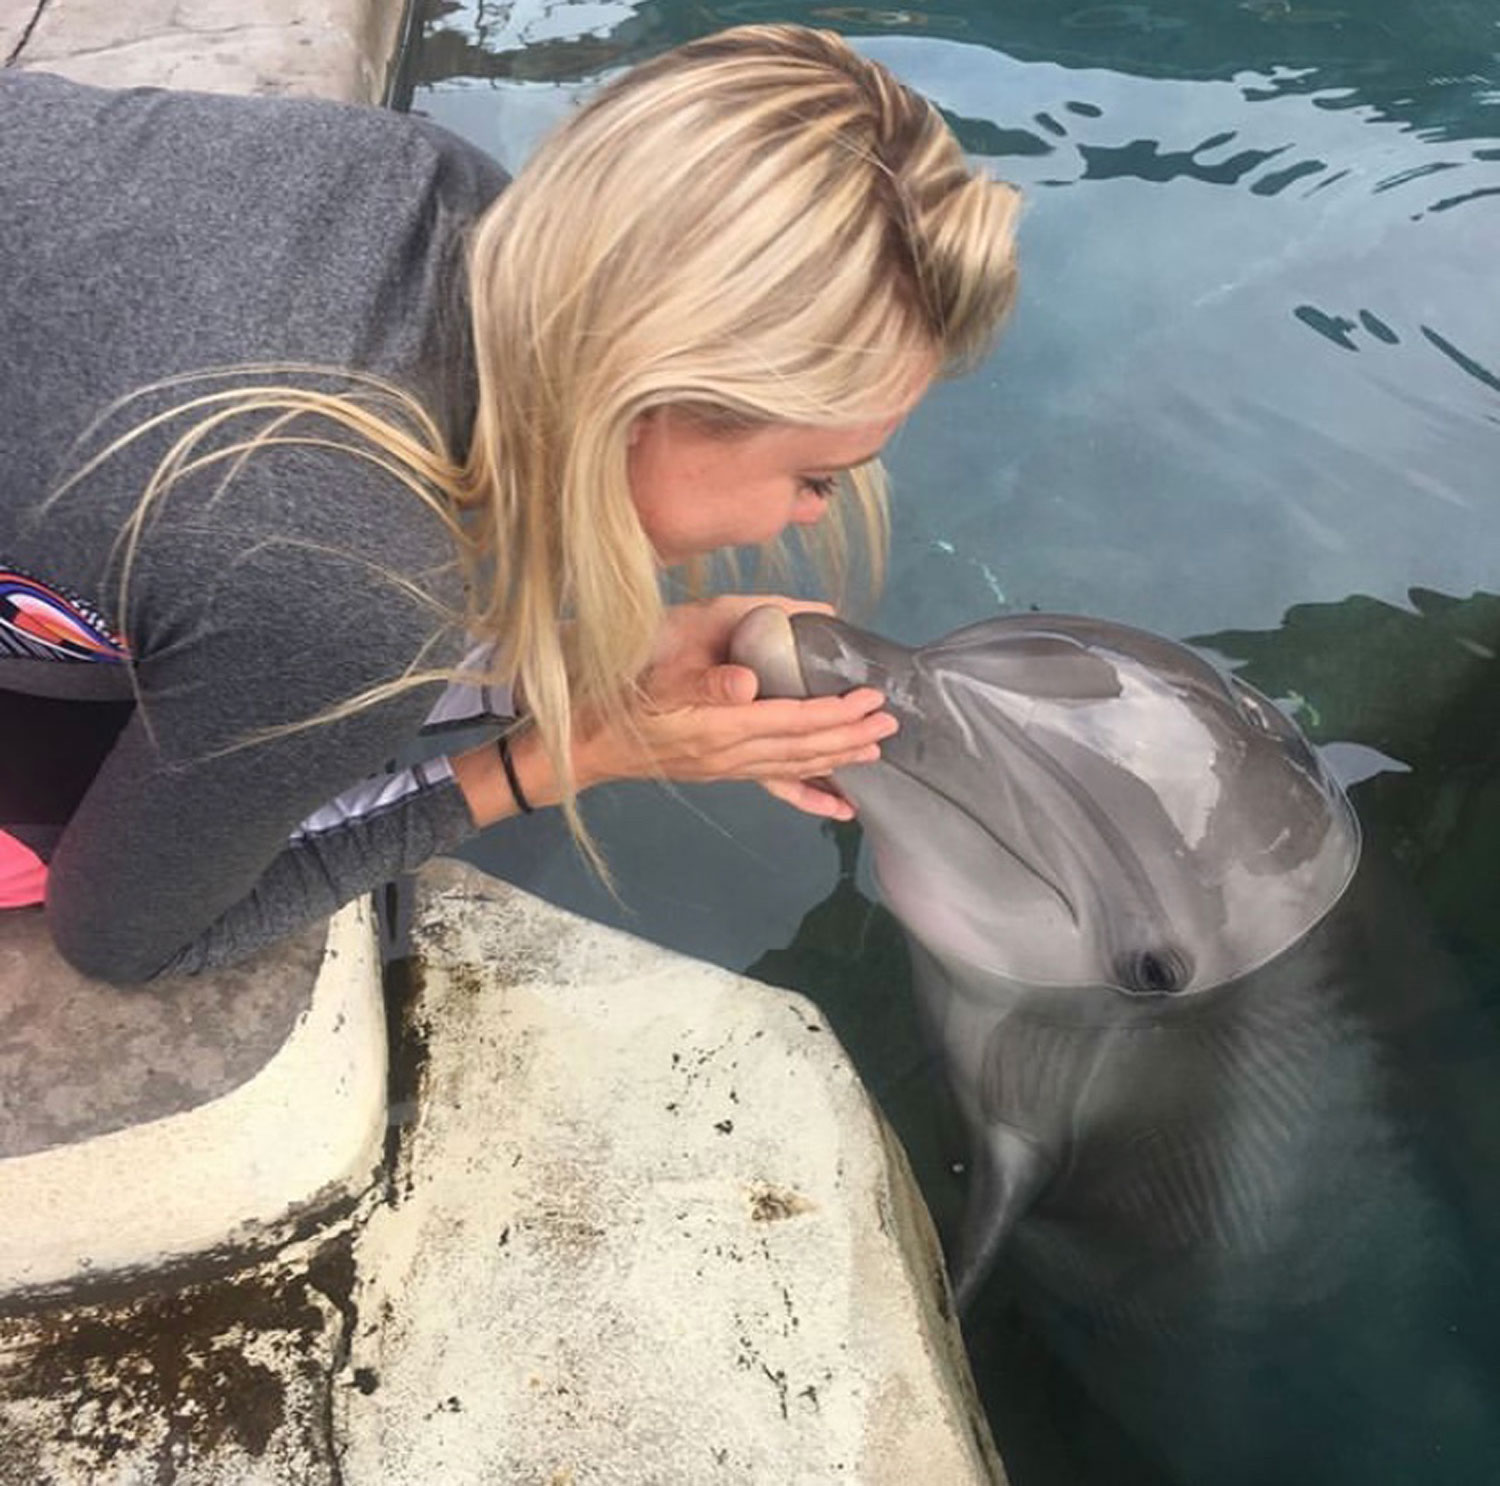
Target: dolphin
column 1197, row 1047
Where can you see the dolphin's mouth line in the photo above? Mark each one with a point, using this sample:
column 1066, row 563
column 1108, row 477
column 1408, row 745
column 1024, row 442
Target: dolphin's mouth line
column 1044, row 878
column 1104, row 828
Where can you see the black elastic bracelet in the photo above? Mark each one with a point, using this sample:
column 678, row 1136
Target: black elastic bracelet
column 502, row 747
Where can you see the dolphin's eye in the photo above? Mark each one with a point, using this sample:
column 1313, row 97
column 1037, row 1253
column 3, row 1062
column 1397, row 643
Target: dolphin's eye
column 1163, row 971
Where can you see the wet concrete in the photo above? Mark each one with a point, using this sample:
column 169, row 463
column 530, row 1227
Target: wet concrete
column 191, row 1378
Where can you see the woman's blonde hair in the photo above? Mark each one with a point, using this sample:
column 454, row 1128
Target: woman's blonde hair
column 759, row 227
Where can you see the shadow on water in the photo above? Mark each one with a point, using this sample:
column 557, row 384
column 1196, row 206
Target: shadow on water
column 1420, row 685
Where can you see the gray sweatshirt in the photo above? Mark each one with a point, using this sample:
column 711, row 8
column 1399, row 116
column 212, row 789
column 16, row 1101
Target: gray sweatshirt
column 143, row 235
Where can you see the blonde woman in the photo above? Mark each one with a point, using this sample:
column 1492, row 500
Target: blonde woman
column 316, row 433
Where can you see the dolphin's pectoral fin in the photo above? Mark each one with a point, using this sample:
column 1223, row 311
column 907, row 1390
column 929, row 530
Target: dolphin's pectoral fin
column 1010, row 1169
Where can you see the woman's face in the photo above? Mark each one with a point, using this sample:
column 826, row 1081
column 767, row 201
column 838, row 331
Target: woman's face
column 696, row 491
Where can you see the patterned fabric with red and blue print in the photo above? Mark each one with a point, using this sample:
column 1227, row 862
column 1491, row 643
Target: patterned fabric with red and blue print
column 40, row 622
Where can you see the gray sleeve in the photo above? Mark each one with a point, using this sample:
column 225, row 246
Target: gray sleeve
column 320, row 870
column 189, row 849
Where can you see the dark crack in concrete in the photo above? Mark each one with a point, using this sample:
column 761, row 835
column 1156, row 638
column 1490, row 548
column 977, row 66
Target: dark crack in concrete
column 26, row 30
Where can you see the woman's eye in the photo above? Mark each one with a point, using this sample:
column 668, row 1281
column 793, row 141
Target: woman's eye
column 823, row 486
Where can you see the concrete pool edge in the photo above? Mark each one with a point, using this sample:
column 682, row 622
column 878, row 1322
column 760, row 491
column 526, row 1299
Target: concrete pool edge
column 639, row 1216
column 302, row 1134
column 343, row 49
column 681, row 1238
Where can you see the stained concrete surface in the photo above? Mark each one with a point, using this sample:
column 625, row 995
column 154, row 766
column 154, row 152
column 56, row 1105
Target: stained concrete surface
column 672, row 1236
column 190, row 1378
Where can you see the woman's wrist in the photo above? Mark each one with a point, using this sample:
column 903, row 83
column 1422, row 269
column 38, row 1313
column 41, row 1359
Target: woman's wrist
column 481, row 777
column 502, row 747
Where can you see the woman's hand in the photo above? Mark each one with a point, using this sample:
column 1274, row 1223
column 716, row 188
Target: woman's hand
column 701, row 721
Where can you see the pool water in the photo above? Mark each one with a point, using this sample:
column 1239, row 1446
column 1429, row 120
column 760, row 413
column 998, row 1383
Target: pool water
column 1250, row 398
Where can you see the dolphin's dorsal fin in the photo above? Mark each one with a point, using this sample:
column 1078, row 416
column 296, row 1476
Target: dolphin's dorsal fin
column 1010, row 1170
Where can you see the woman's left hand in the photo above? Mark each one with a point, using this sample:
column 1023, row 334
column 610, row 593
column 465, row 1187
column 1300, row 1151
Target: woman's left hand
column 701, row 720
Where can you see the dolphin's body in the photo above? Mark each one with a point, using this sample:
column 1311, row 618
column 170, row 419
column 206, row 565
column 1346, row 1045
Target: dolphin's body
column 1196, row 1050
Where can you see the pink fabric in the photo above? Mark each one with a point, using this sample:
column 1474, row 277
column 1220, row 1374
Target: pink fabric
column 23, row 874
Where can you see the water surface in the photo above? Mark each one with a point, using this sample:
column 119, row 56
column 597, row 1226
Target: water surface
column 1250, row 397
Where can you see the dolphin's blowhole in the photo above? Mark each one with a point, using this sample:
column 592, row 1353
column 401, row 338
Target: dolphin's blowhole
column 1164, row 971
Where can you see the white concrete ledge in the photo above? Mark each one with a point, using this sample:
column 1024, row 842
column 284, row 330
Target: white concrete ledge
column 645, row 1227
column 649, row 1228
column 304, row 1129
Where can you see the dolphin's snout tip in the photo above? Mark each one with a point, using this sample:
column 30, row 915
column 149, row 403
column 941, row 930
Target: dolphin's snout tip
column 763, row 640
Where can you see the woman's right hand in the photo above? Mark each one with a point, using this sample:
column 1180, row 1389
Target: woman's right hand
column 788, row 746
column 699, row 719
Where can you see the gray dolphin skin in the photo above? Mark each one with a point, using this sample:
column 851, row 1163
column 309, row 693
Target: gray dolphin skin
column 1197, row 1048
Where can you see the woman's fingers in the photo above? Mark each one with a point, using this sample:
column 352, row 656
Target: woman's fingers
column 787, row 718
column 811, row 797
column 728, row 685
column 820, row 743
column 800, row 759
column 696, row 636
column 737, row 605
column 781, row 739
column 765, row 739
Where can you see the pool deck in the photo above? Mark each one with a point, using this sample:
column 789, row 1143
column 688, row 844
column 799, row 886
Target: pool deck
column 331, row 48
column 555, row 1206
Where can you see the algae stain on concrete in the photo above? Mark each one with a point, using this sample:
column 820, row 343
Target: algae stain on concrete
column 769, row 1204
column 227, row 1378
